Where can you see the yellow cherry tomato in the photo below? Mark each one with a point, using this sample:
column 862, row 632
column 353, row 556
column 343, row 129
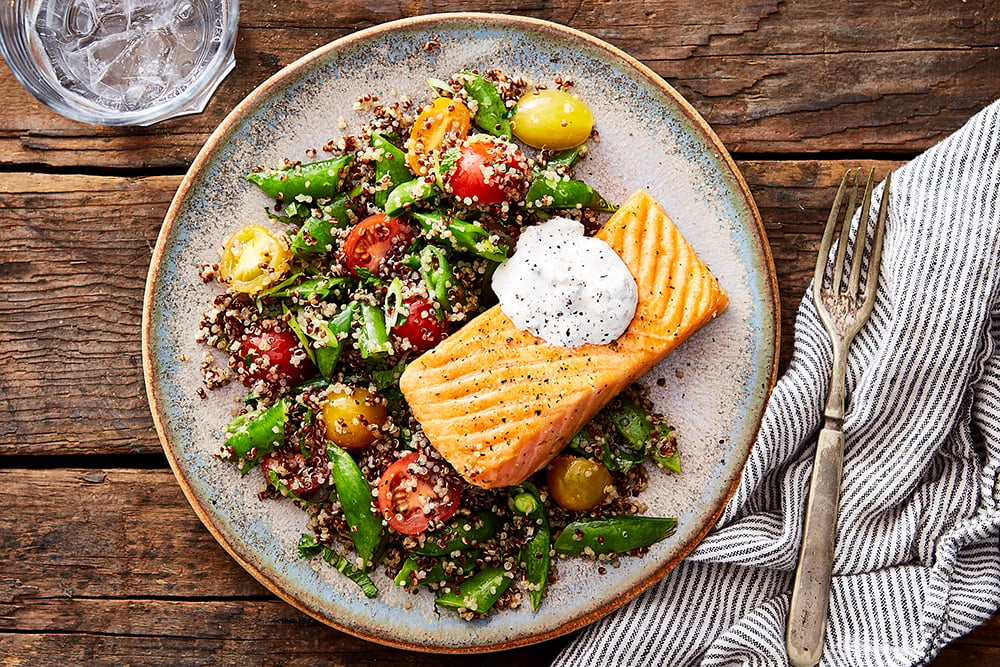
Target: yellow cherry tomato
column 441, row 118
column 253, row 258
column 353, row 417
column 551, row 119
column 577, row 484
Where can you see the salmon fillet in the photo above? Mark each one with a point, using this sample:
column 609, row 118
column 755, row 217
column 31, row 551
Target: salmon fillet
column 499, row 403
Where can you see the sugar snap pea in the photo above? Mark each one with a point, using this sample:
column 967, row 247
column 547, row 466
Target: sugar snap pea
column 460, row 534
column 491, row 112
column 671, row 462
column 663, row 447
column 632, row 421
column 313, row 179
column 317, row 233
column 565, row 158
column 435, row 570
column 356, row 501
column 549, row 193
column 613, row 534
column 390, row 165
column 535, row 554
column 373, row 337
column 310, row 546
column 255, row 433
column 319, row 288
column 636, row 425
column 462, row 235
column 335, row 332
column 477, row 593
column 437, row 275
column 331, row 334
column 407, row 195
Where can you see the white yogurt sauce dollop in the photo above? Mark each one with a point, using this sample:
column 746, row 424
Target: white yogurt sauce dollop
column 566, row 288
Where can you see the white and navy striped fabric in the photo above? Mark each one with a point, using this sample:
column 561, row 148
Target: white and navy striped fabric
column 917, row 562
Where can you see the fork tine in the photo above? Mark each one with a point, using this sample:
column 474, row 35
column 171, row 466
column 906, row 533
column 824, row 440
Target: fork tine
column 827, row 242
column 861, row 237
column 838, row 266
column 876, row 258
column 848, row 213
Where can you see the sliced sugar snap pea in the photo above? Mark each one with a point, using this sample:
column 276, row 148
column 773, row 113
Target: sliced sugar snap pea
column 460, row 534
column 356, row 500
column 477, row 593
column 491, row 112
column 317, row 233
column 554, row 193
column 407, row 195
column 535, row 554
column 615, row 534
column 256, row 433
column 312, row 179
column 373, row 338
column 435, row 570
column 461, row 235
column 390, row 165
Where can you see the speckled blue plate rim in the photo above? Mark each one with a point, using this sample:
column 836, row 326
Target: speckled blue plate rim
column 153, row 331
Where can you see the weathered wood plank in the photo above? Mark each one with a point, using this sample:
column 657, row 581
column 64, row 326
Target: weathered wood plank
column 74, row 251
column 72, row 271
column 109, row 566
column 301, row 643
column 108, row 534
column 788, row 77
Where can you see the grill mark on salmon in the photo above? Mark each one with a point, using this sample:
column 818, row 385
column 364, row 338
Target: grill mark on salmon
column 499, row 403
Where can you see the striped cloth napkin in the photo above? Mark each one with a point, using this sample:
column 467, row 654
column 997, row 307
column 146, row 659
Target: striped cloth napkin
column 917, row 562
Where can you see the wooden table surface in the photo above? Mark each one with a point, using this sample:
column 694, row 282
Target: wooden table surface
column 102, row 561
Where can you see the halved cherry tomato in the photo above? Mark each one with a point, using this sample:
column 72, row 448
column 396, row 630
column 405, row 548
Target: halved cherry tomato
column 253, row 258
column 373, row 238
column 272, row 354
column 488, row 172
column 410, row 498
column 441, row 119
column 421, row 327
column 353, row 417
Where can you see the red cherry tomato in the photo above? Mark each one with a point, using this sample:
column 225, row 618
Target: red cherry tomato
column 371, row 240
column 295, row 472
column 489, row 172
column 409, row 499
column 421, row 327
column 271, row 354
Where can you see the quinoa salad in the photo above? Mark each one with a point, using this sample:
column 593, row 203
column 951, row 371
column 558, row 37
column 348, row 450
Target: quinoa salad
column 377, row 247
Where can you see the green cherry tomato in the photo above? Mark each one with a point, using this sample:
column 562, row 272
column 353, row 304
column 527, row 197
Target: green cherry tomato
column 552, row 119
column 577, row 484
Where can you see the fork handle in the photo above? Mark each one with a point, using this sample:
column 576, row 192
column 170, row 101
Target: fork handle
column 810, row 602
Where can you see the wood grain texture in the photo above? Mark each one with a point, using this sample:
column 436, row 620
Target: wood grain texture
column 106, row 567
column 110, row 566
column 802, row 77
column 73, row 262
column 74, row 251
column 105, row 564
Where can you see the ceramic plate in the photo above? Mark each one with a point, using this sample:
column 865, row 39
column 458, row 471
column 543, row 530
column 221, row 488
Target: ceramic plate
column 716, row 384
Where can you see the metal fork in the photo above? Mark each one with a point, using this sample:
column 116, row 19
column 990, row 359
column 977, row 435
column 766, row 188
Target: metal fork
column 842, row 312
